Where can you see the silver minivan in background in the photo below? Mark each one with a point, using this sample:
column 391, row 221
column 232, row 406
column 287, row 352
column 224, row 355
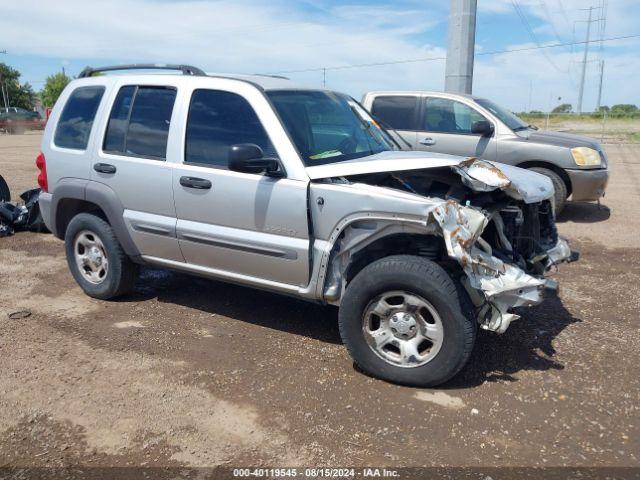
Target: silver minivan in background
column 475, row 127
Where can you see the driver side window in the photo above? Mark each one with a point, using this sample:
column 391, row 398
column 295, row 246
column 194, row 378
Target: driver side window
column 449, row 116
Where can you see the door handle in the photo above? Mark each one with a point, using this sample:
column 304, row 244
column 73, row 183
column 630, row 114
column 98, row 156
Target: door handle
column 104, row 168
column 195, row 182
column 428, row 141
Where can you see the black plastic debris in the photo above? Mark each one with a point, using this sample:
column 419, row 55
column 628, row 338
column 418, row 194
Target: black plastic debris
column 19, row 315
column 24, row 215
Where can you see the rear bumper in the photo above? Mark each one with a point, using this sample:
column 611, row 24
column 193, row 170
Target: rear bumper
column 588, row 184
column 44, row 201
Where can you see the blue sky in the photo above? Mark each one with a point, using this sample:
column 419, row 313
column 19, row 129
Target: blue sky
column 249, row 36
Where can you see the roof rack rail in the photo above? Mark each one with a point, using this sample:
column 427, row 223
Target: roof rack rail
column 186, row 69
column 271, row 75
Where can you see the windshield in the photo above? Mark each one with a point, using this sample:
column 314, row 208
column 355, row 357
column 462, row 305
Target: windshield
column 328, row 127
column 509, row 119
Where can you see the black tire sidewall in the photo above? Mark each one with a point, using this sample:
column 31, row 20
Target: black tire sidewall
column 437, row 291
column 5, row 193
column 560, row 194
column 109, row 287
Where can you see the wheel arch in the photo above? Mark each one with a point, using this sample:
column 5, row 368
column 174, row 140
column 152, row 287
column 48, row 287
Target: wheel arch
column 74, row 196
column 365, row 239
column 550, row 166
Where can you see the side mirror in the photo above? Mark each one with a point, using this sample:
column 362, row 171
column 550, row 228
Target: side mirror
column 482, row 127
column 249, row 158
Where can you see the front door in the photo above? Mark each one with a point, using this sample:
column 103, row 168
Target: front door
column 243, row 226
column 445, row 127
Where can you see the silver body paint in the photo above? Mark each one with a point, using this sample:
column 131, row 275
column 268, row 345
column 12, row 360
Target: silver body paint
column 295, row 235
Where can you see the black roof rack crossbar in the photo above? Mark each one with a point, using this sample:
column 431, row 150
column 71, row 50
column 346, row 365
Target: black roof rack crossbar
column 186, row 69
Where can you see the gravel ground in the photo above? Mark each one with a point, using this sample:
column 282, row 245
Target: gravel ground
column 191, row 372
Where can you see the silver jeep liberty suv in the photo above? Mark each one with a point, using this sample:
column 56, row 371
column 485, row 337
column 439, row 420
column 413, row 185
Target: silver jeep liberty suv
column 254, row 180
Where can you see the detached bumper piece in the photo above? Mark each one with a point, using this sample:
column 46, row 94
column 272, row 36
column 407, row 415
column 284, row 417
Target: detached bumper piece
column 21, row 216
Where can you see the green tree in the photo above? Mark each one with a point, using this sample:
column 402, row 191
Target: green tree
column 53, row 88
column 19, row 95
column 604, row 108
column 563, row 108
column 623, row 109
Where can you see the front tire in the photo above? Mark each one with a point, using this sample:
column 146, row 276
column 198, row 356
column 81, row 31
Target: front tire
column 403, row 320
column 96, row 259
column 5, row 193
column 561, row 194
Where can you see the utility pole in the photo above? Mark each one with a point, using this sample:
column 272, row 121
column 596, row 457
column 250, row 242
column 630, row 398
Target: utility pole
column 461, row 42
column 5, row 95
column 600, row 87
column 584, row 62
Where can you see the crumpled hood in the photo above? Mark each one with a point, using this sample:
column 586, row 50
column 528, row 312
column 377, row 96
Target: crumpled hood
column 479, row 175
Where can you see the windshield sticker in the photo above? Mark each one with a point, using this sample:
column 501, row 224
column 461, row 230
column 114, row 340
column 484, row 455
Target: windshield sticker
column 327, row 154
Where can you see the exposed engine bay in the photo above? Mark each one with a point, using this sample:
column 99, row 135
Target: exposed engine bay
column 504, row 238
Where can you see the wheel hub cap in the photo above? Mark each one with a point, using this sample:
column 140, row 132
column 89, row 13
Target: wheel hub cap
column 403, row 325
column 95, row 257
column 403, row 329
column 90, row 256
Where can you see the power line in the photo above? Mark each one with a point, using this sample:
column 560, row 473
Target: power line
column 544, row 6
column 563, row 11
column 531, row 33
column 428, row 59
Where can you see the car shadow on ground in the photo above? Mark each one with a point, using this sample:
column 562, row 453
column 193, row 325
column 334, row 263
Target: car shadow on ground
column 526, row 346
column 257, row 307
column 584, row 213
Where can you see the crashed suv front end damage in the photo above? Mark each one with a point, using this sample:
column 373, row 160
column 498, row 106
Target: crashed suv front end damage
column 496, row 285
column 496, row 222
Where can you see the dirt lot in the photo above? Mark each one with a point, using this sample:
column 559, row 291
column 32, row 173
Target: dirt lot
column 191, row 372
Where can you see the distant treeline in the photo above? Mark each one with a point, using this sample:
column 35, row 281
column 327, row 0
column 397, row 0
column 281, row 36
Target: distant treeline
column 621, row 110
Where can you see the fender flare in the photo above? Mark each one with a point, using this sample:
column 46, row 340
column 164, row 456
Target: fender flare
column 417, row 224
column 101, row 195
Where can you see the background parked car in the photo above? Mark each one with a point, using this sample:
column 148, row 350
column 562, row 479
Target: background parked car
column 18, row 120
column 476, row 127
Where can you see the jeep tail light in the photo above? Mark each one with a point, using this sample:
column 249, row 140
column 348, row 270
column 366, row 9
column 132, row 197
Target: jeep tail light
column 41, row 163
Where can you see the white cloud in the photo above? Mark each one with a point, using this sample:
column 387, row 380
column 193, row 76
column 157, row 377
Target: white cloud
column 255, row 36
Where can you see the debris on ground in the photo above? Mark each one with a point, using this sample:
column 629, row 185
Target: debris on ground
column 24, row 215
column 19, row 315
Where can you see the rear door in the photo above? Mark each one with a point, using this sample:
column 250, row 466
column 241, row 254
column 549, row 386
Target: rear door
column 132, row 161
column 445, row 127
column 399, row 112
column 244, row 226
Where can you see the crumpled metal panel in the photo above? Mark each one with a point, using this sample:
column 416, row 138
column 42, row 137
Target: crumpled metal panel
column 495, row 287
column 503, row 285
column 480, row 175
column 485, row 176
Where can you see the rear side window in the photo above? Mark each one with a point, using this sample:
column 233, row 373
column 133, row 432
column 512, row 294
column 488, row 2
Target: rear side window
column 217, row 120
column 74, row 126
column 399, row 112
column 139, row 122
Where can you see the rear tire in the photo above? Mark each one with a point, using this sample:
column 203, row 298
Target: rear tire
column 413, row 296
column 560, row 197
column 96, row 259
column 5, row 194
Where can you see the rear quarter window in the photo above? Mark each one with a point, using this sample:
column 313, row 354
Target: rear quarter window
column 76, row 120
column 397, row 111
